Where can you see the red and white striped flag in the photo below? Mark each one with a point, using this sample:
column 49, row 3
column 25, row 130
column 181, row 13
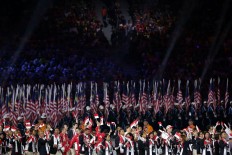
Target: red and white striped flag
column 227, row 93
column 179, row 93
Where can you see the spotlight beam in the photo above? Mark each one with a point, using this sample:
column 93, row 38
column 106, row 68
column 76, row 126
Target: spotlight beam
column 217, row 43
column 187, row 10
column 40, row 10
column 217, row 47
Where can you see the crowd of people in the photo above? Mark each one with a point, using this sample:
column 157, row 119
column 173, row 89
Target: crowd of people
column 61, row 70
column 72, row 31
column 194, row 49
column 94, row 134
column 68, row 45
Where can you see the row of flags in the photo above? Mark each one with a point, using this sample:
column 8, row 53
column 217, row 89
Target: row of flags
column 55, row 100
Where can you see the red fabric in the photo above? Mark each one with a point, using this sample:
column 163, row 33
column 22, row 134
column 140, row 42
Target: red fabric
column 104, row 12
column 64, row 142
column 75, row 139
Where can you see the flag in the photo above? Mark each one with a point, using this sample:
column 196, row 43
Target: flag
column 218, row 92
column 125, row 95
column 227, row 94
column 106, row 100
column 197, row 94
column 93, row 103
column 157, row 100
column 167, row 99
column 187, row 96
column 144, row 99
column 179, row 93
column 211, row 94
column 116, row 98
column 134, row 123
column 132, row 95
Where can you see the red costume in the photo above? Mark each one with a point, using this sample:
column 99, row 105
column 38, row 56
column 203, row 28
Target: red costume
column 64, row 143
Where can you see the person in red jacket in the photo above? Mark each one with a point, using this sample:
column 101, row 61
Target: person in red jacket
column 64, row 141
column 75, row 142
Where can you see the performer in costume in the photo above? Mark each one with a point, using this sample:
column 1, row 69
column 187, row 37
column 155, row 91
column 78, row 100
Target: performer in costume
column 119, row 143
column 75, row 142
column 9, row 136
column 224, row 145
column 152, row 144
column 3, row 144
column 64, row 141
column 167, row 142
column 142, row 144
column 41, row 123
column 157, row 140
column 108, row 146
column 42, row 147
column 130, row 147
column 184, row 146
column 84, row 141
column 54, row 143
column 72, row 131
column 16, row 142
column 207, row 145
column 216, row 144
column 100, row 137
column 197, row 142
column 31, row 143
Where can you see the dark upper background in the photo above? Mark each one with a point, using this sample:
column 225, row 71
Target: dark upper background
column 66, row 42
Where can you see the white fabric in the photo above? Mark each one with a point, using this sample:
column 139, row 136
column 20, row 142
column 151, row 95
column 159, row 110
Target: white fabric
column 108, row 149
column 16, row 146
column 151, row 144
column 207, row 149
column 131, row 149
